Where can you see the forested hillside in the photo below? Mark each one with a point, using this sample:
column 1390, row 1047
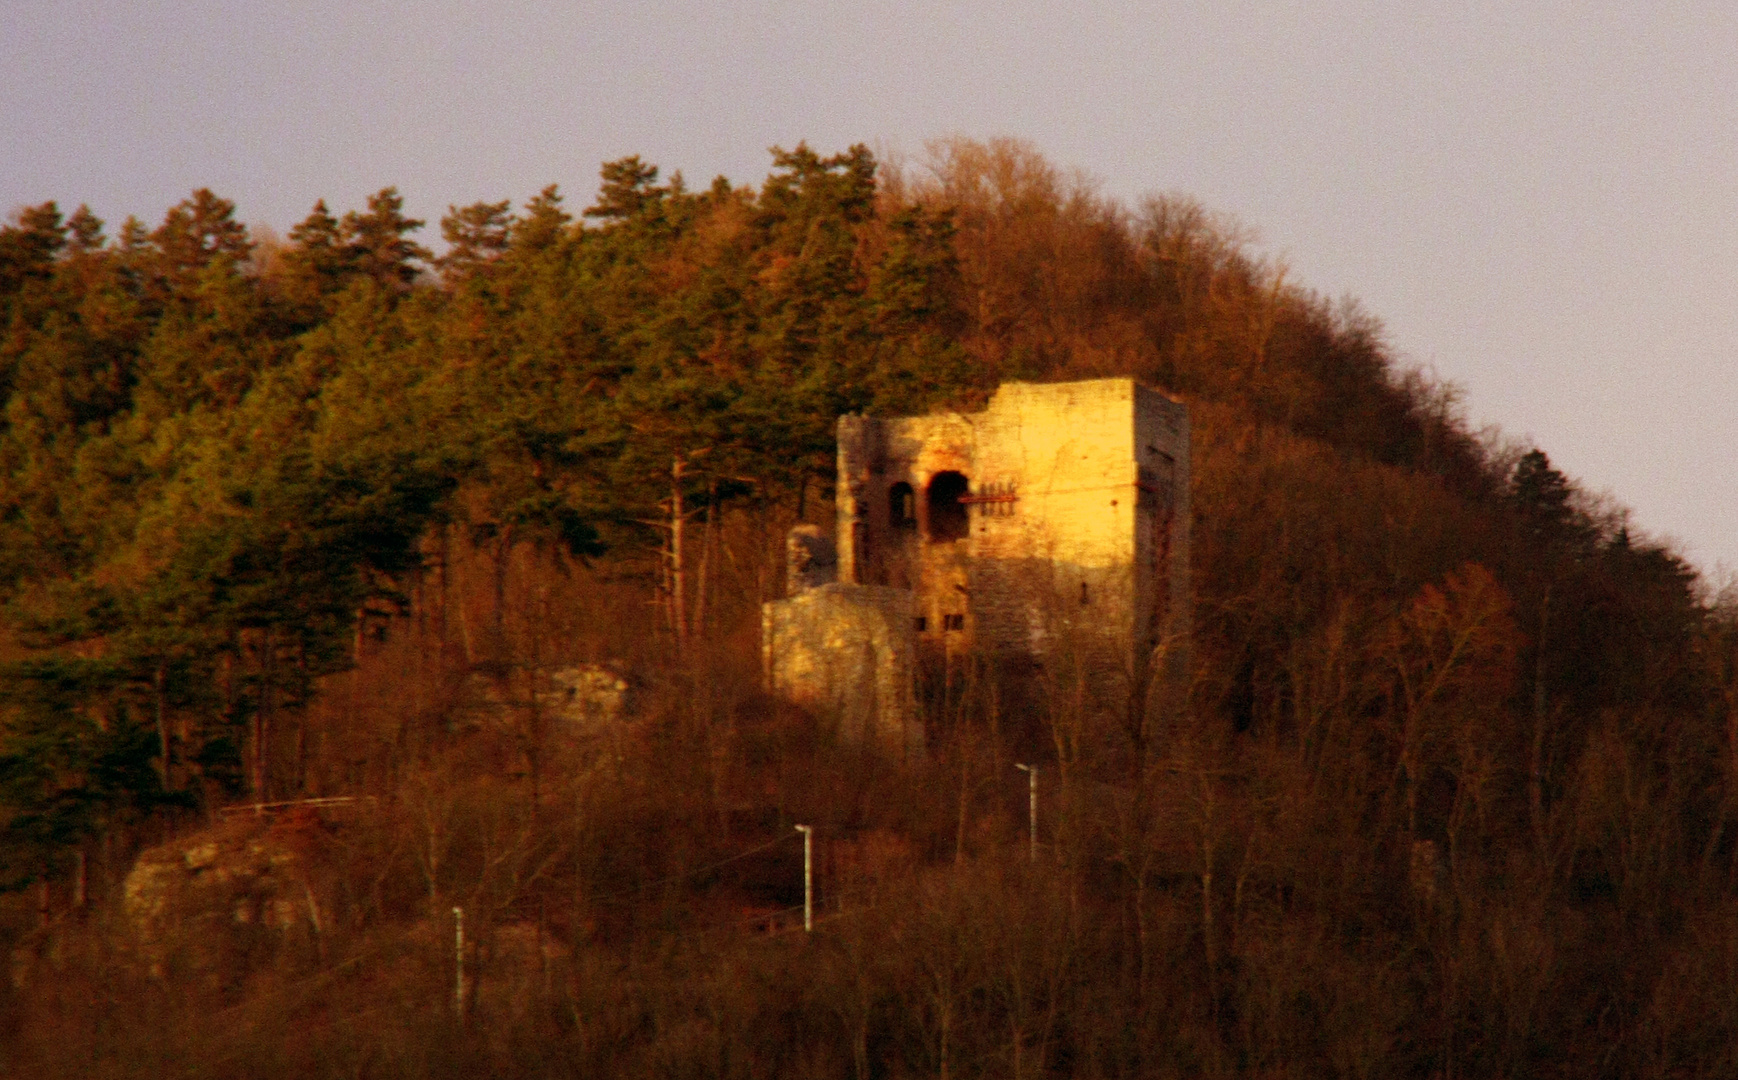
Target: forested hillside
column 330, row 517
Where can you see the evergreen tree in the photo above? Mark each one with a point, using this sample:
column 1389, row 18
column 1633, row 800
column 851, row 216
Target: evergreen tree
column 315, row 268
column 74, row 761
column 84, row 232
column 475, row 235
column 29, row 246
column 1541, row 495
column 629, row 190
column 196, row 232
column 378, row 242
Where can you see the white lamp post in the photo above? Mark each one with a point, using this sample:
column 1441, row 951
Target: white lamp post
column 808, row 832
column 459, row 962
column 1032, row 805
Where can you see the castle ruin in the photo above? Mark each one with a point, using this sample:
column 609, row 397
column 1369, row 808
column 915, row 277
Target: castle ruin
column 1054, row 521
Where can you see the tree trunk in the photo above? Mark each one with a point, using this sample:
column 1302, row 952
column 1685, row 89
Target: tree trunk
column 262, row 714
column 1536, row 766
column 533, row 676
column 503, row 554
column 300, row 786
column 708, row 540
column 444, row 559
column 466, row 638
column 159, row 688
column 226, row 678
column 678, row 580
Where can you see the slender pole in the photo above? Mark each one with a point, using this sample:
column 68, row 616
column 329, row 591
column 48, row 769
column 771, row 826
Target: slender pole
column 459, row 966
column 678, row 556
column 1032, row 806
column 808, row 832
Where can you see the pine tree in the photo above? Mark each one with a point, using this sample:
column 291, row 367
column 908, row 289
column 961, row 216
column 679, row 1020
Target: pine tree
column 29, row 246
column 475, row 235
column 379, row 241
column 196, row 232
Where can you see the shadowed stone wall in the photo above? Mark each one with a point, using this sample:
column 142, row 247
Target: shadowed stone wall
column 848, row 650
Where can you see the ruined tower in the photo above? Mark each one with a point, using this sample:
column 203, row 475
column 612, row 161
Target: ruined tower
column 1055, row 521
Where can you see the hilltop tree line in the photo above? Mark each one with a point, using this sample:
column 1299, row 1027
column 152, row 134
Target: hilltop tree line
column 1449, row 791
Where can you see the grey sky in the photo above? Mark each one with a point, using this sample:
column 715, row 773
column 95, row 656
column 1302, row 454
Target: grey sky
column 1538, row 199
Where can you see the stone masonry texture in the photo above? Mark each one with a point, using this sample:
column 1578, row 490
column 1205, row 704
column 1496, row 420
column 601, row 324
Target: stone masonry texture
column 1055, row 521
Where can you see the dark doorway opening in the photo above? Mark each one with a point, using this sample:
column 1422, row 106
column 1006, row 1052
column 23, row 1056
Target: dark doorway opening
column 947, row 514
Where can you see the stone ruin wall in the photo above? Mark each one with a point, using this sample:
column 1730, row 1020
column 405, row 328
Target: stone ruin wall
column 1076, row 514
column 1057, row 517
column 845, row 649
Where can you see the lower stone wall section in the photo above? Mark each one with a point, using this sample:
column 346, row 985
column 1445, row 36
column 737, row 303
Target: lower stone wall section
column 849, row 651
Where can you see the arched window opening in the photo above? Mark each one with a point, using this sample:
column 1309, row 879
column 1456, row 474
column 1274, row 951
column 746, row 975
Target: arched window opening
column 947, row 515
column 902, row 506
